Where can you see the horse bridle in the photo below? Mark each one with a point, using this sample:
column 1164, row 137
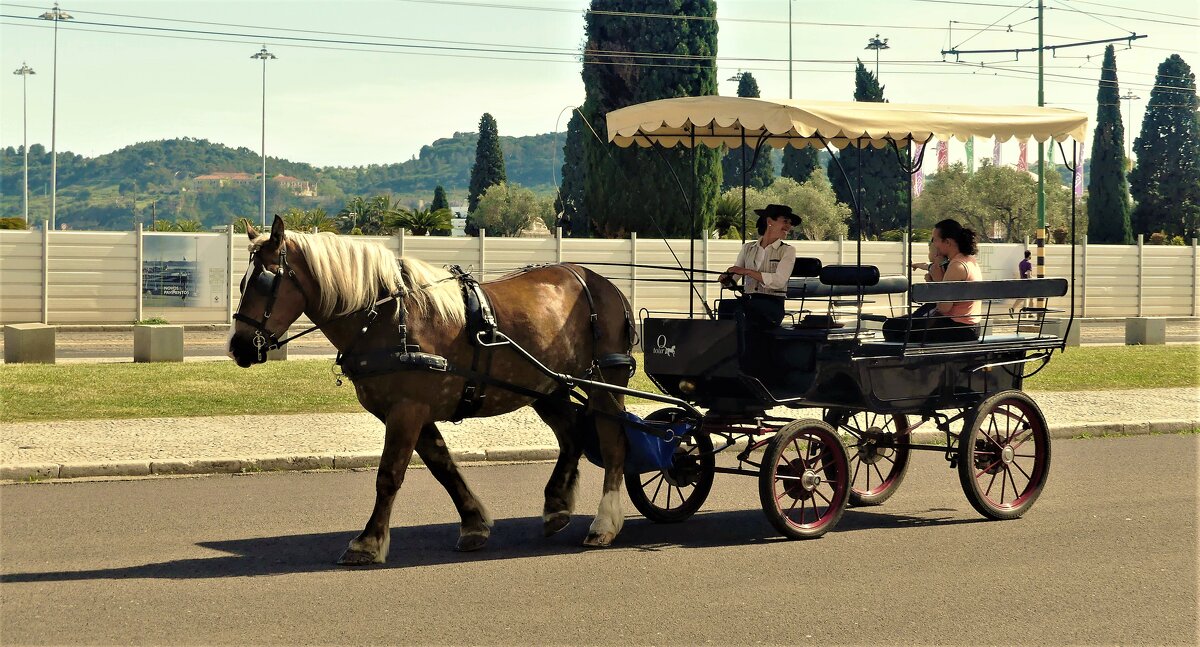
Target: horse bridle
column 265, row 282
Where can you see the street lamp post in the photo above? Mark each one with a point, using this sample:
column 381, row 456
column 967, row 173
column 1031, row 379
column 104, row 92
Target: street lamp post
column 57, row 15
column 264, row 55
column 24, row 71
column 790, row 48
column 877, row 44
column 1129, row 98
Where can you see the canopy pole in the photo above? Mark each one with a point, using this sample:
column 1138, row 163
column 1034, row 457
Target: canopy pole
column 745, row 225
column 695, row 211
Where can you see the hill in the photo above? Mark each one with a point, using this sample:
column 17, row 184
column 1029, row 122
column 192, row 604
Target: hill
column 158, row 179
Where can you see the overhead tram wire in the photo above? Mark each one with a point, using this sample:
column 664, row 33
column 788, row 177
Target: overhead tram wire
column 1155, row 13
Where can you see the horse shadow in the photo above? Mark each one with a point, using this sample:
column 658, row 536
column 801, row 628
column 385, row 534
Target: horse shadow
column 432, row 545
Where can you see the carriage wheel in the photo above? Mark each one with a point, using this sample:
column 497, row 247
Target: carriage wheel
column 670, row 496
column 875, row 472
column 804, row 482
column 1004, row 455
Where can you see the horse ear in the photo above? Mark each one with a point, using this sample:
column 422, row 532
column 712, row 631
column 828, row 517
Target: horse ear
column 251, row 232
column 277, row 228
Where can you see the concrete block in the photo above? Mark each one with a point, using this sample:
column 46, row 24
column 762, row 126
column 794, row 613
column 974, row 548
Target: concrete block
column 29, row 471
column 158, row 343
column 84, row 470
column 279, row 353
column 292, row 463
column 522, row 453
column 1145, row 331
column 197, row 466
column 468, row 455
column 1173, row 426
column 29, row 343
column 1057, row 327
column 352, row 461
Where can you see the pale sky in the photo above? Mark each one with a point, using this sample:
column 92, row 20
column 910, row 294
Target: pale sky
column 347, row 103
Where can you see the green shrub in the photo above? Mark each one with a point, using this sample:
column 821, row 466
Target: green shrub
column 152, row 321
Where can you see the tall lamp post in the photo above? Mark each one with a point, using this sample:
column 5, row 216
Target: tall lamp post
column 57, row 15
column 1129, row 98
column 264, row 55
column 877, row 44
column 24, row 71
column 790, row 48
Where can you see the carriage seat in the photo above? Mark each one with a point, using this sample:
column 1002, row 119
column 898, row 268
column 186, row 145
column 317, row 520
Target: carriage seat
column 845, row 280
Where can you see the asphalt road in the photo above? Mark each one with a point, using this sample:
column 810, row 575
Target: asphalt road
column 1106, row 556
column 211, row 343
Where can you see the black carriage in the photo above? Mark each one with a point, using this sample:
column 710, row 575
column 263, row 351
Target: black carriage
column 868, row 393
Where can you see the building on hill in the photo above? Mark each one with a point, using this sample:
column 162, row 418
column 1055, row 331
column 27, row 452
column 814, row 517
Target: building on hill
column 222, row 179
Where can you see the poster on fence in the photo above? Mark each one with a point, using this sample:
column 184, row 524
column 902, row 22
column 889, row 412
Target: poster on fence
column 184, row 270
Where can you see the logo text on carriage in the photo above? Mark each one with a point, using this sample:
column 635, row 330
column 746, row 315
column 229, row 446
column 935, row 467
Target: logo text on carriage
column 661, row 347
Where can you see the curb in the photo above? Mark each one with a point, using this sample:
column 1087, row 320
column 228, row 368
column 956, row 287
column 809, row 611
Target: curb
column 537, row 453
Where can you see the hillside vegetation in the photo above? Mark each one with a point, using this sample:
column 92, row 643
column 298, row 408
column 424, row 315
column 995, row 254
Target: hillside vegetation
column 156, row 180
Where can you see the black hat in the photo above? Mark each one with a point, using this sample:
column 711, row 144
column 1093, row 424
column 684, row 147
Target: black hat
column 779, row 211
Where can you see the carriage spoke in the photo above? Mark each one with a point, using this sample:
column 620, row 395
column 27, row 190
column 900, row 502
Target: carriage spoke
column 857, row 465
column 879, row 473
column 1027, row 476
column 1003, row 483
column 1013, row 481
column 658, row 475
column 826, row 499
column 654, row 498
column 992, row 482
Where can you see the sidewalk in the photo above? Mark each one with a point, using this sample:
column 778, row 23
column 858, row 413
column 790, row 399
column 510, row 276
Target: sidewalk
column 230, row 444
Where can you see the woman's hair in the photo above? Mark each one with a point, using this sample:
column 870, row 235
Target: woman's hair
column 949, row 228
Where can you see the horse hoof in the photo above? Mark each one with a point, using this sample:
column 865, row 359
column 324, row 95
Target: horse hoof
column 555, row 522
column 599, row 540
column 354, row 557
column 473, row 541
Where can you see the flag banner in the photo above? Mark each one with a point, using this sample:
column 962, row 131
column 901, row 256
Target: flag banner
column 995, row 152
column 918, row 184
column 1023, row 162
column 1078, row 170
column 971, row 155
column 943, row 151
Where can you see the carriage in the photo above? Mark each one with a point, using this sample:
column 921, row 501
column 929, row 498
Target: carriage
column 423, row 345
column 865, row 394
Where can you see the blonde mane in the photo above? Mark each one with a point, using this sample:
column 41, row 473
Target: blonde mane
column 353, row 274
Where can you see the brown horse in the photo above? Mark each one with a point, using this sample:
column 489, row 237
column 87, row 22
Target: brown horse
column 338, row 283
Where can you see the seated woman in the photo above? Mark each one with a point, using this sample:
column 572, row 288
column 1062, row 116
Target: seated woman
column 951, row 321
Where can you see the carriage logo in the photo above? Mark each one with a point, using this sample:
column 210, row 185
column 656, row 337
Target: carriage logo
column 661, row 347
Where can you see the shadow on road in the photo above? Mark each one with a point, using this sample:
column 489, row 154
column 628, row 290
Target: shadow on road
column 432, row 545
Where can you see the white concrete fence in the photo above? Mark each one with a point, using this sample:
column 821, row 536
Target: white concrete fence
column 67, row 277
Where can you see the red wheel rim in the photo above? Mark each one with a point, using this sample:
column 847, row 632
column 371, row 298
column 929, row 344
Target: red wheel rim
column 808, row 479
column 1008, row 454
column 872, row 469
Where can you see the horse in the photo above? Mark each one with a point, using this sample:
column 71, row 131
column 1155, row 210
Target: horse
column 369, row 304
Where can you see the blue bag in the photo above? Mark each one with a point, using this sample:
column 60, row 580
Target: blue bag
column 645, row 451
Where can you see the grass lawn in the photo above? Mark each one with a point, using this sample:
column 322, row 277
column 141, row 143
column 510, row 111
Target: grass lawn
column 32, row 392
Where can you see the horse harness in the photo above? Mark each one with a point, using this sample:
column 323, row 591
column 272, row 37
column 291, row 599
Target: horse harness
column 482, row 329
column 266, row 283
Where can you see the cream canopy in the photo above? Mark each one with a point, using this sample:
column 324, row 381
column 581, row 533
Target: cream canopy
column 800, row 123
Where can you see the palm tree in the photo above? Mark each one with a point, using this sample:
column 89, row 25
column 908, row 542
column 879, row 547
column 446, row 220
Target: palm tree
column 420, row 222
column 353, row 213
column 319, row 220
column 188, row 225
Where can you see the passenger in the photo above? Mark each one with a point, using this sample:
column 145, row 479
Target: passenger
column 765, row 265
column 950, row 321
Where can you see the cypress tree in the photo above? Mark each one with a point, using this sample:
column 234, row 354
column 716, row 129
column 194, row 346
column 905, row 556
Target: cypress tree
column 633, row 189
column 883, row 189
column 570, row 195
column 762, row 174
column 439, row 199
column 1108, row 199
column 799, row 163
column 1166, row 180
column 489, row 161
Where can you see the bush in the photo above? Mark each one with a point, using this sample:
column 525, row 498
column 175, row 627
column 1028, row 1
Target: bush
column 1060, row 235
column 152, row 321
column 12, row 223
column 1157, row 238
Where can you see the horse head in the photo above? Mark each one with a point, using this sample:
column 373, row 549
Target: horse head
column 275, row 291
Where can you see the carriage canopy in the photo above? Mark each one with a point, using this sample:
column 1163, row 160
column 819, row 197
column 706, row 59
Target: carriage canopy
column 799, row 123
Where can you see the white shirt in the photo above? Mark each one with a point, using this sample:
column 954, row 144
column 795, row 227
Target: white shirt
column 774, row 262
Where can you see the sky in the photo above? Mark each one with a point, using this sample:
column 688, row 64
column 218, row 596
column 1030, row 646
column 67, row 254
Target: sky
column 359, row 83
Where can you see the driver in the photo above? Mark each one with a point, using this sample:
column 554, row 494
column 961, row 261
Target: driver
column 765, row 265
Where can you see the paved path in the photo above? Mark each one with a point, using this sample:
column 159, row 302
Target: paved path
column 1107, row 556
column 236, row 443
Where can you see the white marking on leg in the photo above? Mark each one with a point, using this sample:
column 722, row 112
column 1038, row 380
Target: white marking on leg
column 609, row 517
